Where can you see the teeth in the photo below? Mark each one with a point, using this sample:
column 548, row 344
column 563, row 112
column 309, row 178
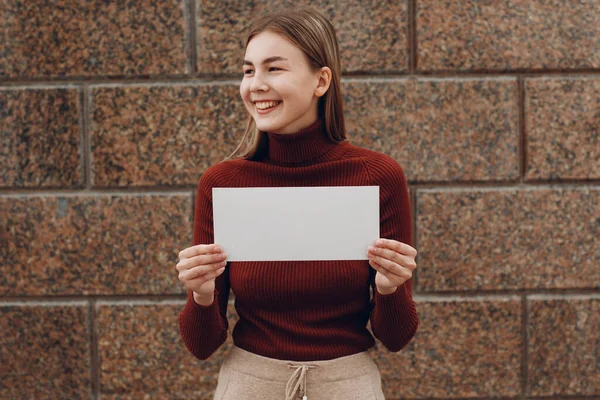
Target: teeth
column 263, row 105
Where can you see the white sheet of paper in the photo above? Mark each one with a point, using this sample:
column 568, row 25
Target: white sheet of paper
column 296, row 223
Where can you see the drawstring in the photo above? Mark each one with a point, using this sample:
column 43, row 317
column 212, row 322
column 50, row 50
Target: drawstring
column 297, row 381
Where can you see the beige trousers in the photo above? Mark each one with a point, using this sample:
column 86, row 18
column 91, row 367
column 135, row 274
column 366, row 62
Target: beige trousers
column 248, row 376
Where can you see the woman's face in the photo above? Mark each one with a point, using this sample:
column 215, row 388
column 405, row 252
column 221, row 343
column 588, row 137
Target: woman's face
column 278, row 87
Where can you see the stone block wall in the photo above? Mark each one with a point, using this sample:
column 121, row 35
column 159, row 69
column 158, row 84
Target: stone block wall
column 111, row 111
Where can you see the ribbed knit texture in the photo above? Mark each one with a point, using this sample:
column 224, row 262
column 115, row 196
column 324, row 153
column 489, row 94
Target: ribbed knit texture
column 304, row 310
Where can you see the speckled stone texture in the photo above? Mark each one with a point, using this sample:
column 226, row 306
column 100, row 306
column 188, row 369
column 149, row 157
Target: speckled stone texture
column 68, row 38
column 508, row 239
column 476, row 35
column 379, row 29
column 463, row 348
column 438, row 129
column 105, row 244
column 45, row 352
column 563, row 347
column 376, row 117
column 142, row 355
column 40, row 138
column 563, row 128
column 146, row 136
column 111, row 111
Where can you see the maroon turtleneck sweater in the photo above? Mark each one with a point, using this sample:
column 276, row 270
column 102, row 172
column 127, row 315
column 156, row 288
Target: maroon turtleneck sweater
column 304, row 310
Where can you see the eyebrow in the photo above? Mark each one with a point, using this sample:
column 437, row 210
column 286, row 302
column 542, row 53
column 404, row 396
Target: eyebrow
column 268, row 60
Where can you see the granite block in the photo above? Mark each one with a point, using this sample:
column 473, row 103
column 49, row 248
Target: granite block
column 438, row 129
column 142, row 355
column 463, row 348
column 475, row 35
column 68, row 38
column 108, row 244
column 562, row 124
column 378, row 29
column 563, row 346
column 162, row 135
column 40, row 138
column 499, row 239
column 376, row 117
column 45, row 351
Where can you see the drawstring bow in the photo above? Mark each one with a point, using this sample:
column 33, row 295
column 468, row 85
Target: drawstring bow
column 297, row 381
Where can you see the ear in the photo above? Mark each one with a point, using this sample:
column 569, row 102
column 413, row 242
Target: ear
column 324, row 81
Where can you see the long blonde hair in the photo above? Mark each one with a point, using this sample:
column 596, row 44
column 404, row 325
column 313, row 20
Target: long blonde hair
column 312, row 33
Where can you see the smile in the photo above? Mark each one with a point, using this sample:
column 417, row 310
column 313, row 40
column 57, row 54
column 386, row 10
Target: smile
column 264, row 107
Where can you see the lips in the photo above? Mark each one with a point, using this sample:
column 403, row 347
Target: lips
column 265, row 107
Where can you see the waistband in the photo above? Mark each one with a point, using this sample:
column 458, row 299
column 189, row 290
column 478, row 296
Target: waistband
column 273, row 369
column 296, row 373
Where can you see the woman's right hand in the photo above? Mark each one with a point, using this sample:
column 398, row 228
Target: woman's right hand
column 198, row 267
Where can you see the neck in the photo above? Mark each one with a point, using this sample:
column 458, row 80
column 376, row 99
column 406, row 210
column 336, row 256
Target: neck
column 299, row 147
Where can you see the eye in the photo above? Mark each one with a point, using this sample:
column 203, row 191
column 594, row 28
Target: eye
column 274, row 69
column 248, row 71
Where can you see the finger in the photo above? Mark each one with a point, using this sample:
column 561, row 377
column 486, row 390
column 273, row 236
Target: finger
column 375, row 266
column 382, row 270
column 201, row 280
column 400, row 247
column 199, row 250
column 392, row 267
column 391, row 277
column 392, row 255
column 204, row 259
column 397, row 246
column 379, row 268
column 205, row 271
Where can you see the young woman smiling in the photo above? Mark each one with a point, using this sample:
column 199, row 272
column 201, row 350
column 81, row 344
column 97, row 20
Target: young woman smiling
column 302, row 324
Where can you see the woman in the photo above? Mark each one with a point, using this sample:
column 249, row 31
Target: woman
column 302, row 327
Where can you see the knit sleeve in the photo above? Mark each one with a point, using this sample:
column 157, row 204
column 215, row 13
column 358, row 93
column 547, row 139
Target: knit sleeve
column 204, row 328
column 393, row 317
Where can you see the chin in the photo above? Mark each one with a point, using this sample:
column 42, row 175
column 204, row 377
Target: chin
column 265, row 126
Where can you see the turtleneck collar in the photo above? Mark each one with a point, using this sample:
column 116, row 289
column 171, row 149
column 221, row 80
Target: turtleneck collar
column 301, row 146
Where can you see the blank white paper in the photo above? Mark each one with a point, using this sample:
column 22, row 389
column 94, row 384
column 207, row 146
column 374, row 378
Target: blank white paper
column 296, row 223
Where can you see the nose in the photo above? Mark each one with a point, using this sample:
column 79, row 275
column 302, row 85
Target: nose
column 258, row 83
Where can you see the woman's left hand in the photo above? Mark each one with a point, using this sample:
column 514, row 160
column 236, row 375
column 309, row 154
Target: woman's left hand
column 394, row 262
